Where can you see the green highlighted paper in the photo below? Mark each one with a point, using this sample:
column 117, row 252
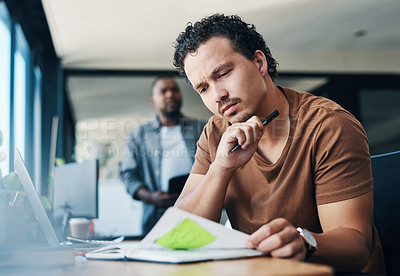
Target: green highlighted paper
column 187, row 234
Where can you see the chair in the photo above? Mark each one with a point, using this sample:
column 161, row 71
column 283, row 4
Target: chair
column 386, row 175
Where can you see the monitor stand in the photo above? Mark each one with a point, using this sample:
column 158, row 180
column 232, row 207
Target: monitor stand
column 65, row 221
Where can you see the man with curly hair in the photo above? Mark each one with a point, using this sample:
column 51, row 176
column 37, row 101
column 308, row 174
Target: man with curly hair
column 301, row 186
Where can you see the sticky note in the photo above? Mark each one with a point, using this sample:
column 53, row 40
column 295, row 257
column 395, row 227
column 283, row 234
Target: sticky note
column 187, row 234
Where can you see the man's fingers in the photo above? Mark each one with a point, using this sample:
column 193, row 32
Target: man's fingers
column 267, row 230
column 293, row 250
column 279, row 238
column 273, row 235
column 245, row 133
column 245, row 136
column 255, row 119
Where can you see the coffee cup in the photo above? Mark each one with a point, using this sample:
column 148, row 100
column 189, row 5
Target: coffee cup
column 79, row 227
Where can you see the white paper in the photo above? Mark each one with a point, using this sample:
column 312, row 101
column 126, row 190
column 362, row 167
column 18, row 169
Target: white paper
column 225, row 238
column 229, row 243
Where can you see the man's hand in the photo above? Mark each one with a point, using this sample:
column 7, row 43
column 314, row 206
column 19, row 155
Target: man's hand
column 162, row 199
column 280, row 239
column 247, row 135
column 158, row 198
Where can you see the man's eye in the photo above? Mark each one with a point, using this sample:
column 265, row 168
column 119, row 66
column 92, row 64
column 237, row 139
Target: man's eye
column 223, row 74
column 202, row 90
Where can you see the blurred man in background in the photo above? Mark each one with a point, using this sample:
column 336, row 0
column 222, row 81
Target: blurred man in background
column 160, row 150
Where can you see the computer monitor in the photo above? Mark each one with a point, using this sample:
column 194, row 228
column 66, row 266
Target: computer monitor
column 75, row 193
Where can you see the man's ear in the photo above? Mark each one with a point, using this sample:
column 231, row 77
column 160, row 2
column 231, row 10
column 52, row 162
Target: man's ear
column 152, row 100
column 261, row 61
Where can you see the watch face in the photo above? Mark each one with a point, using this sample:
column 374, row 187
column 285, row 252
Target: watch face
column 309, row 238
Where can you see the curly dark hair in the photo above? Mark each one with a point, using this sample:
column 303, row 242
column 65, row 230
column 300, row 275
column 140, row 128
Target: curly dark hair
column 244, row 37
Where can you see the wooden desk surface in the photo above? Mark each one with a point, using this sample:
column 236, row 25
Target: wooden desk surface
column 250, row 266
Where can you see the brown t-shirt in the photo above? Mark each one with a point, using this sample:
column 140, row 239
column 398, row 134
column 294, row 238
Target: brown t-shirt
column 326, row 159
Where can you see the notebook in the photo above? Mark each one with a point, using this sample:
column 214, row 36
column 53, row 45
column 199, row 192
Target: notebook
column 41, row 215
column 181, row 237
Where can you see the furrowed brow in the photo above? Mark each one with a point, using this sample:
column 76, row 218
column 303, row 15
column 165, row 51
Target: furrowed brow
column 199, row 85
column 221, row 68
column 216, row 71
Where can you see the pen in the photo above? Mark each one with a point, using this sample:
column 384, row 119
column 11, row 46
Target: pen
column 267, row 120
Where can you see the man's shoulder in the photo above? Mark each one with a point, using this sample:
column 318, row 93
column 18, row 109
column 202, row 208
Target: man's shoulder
column 314, row 107
column 306, row 100
column 313, row 111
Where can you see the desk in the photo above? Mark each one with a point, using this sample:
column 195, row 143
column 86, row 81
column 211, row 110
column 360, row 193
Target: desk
column 250, row 266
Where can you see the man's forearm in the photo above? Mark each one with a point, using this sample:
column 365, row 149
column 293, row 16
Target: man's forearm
column 132, row 182
column 345, row 249
column 144, row 195
column 206, row 197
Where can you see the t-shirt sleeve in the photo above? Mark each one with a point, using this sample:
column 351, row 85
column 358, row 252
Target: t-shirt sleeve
column 342, row 159
column 202, row 158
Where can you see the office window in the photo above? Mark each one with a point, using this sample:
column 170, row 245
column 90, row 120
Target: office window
column 19, row 102
column 21, row 65
column 37, row 124
column 380, row 114
column 5, row 65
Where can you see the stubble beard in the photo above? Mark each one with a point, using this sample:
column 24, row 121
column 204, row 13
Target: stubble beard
column 241, row 118
column 172, row 112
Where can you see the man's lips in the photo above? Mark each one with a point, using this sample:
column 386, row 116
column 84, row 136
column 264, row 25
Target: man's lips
column 171, row 103
column 227, row 108
column 228, row 105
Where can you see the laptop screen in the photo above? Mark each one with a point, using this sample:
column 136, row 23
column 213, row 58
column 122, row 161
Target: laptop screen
column 34, row 199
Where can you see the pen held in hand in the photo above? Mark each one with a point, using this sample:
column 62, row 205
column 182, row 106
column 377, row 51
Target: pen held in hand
column 267, row 120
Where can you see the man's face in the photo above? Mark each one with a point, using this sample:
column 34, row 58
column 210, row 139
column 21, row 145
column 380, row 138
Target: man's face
column 166, row 97
column 230, row 85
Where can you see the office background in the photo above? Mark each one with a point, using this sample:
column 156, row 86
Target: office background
column 90, row 63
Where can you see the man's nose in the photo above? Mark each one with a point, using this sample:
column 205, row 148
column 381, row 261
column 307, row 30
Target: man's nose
column 219, row 93
column 169, row 93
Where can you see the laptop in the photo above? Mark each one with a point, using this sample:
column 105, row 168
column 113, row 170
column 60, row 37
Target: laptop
column 41, row 215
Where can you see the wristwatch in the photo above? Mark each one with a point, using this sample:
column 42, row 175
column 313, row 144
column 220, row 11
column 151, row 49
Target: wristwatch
column 309, row 241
